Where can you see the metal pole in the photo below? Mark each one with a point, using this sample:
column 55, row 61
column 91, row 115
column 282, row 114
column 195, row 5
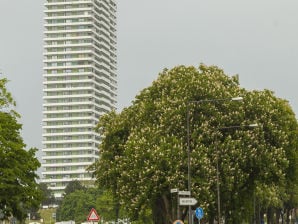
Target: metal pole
column 188, row 162
column 217, row 163
column 217, row 180
column 254, row 217
column 178, row 215
column 188, row 151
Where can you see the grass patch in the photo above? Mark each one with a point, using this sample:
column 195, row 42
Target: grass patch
column 47, row 215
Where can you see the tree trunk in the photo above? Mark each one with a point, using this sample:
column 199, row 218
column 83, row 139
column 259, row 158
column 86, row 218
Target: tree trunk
column 270, row 217
column 167, row 209
column 277, row 212
column 161, row 211
column 288, row 216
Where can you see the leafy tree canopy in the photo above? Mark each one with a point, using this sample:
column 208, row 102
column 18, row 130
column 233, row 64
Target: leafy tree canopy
column 144, row 148
column 73, row 186
column 18, row 188
column 47, row 197
column 76, row 205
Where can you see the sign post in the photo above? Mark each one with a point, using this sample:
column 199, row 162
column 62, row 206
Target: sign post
column 176, row 190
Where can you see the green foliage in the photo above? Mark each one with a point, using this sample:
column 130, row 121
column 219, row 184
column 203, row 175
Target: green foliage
column 6, row 99
column 18, row 188
column 76, row 205
column 47, row 197
column 144, row 148
column 73, row 186
column 106, row 207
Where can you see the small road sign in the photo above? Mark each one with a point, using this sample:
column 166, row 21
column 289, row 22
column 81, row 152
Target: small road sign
column 174, row 190
column 93, row 216
column 184, row 193
column 178, row 222
column 187, row 201
column 199, row 213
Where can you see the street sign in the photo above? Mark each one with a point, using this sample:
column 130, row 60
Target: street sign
column 174, row 190
column 184, row 193
column 187, row 201
column 178, row 222
column 199, row 213
column 93, row 216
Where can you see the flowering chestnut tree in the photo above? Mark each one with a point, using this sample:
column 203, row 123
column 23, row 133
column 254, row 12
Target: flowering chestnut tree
column 144, row 150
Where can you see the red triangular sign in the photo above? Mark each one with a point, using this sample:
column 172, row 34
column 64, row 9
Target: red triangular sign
column 93, row 216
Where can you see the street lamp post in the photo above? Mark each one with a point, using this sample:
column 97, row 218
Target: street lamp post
column 188, row 142
column 217, row 162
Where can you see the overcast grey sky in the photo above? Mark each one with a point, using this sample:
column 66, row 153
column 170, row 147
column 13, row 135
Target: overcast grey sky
column 257, row 39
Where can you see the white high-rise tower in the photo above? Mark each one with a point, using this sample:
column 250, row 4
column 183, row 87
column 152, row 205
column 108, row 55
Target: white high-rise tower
column 79, row 86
